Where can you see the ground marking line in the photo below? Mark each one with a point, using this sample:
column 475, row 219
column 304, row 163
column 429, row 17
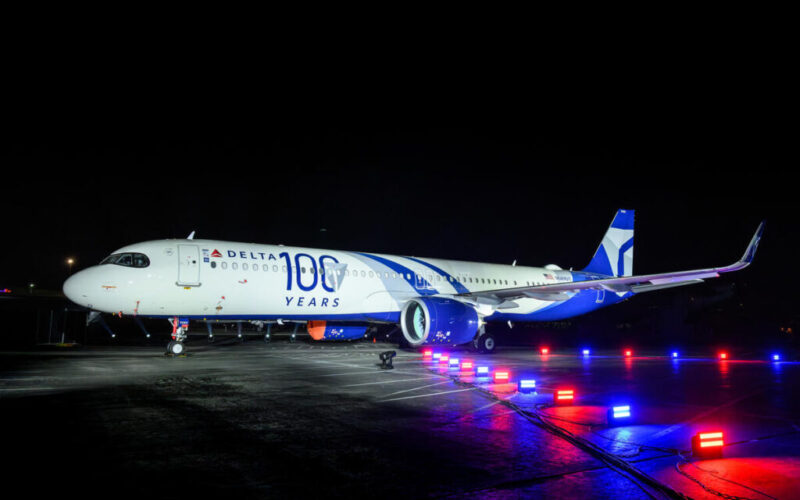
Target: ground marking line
column 428, row 395
column 388, row 381
column 416, row 388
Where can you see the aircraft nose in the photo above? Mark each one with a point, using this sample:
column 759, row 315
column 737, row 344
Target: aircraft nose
column 75, row 288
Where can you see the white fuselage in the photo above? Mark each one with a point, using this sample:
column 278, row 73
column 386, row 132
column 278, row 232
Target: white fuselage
column 209, row 279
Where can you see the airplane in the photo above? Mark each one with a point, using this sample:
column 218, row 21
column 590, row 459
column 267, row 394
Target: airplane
column 339, row 294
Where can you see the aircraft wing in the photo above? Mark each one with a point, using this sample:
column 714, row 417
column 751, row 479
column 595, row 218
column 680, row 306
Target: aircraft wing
column 637, row 284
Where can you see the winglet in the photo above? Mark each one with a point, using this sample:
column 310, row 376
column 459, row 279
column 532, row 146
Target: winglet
column 191, row 236
column 747, row 258
column 751, row 248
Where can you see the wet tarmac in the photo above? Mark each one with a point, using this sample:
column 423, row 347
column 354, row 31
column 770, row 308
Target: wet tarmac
column 276, row 420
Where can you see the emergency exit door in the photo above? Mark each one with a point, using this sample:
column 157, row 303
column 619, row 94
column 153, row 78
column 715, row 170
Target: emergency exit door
column 188, row 265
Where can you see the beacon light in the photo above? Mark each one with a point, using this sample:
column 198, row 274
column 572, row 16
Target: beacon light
column 466, row 366
column 708, row 444
column 501, row 376
column 454, row 362
column 526, row 386
column 619, row 414
column 544, row 351
column 564, row 396
column 481, row 371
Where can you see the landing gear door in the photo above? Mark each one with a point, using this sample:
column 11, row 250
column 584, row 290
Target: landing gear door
column 188, row 265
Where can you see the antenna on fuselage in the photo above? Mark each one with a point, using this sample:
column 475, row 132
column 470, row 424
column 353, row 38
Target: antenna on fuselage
column 191, row 236
column 514, row 264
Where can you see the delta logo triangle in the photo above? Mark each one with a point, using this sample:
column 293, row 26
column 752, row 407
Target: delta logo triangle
column 216, row 253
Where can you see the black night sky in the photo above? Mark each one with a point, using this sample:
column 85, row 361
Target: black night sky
column 532, row 180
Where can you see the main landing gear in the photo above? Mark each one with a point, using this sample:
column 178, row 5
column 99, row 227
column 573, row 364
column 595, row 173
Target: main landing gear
column 484, row 342
column 179, row 335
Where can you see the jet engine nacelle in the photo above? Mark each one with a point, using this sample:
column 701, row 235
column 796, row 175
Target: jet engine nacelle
column 436, row 320
column 322, row 330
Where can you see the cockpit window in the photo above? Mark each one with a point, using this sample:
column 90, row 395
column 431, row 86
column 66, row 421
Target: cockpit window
column 127, row 260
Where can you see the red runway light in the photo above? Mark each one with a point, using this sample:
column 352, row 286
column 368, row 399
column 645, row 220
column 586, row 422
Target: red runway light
column 466, row 365
column 708, row 444
column 723, row 355
column 544, row 350
column 427, row 353
column 564, row 396
column 501, row 376
column 444, row 358
column 628, row 353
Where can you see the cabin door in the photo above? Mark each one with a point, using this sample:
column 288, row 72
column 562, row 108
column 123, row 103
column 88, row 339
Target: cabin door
column 188, row 265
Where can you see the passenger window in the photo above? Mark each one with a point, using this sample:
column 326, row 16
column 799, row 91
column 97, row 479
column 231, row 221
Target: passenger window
column 363, row 274
column 265, row 267
column 224, row 265
column 244, row 266
column 370, row 274
column 234, row 266
column 213, row 265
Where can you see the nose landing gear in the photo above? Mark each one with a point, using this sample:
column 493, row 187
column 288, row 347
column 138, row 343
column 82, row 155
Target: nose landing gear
column 180, row 327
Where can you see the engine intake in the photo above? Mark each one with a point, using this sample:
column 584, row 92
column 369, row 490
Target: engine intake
column 436, row 320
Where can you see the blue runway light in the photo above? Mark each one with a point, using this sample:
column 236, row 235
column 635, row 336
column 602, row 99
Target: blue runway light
column 526, row 386
column 776, row 357
column 621, row 411
column 619, row 414
column 674, row 354
column 437, row 355
column 455, row 362
column 481, row 371
column 586, row 352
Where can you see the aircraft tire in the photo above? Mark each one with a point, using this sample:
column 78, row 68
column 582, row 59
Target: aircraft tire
column 486, row 343
column 175, row 348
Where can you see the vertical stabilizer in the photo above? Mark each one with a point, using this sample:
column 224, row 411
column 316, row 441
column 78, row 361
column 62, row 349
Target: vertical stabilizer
column 614, row 256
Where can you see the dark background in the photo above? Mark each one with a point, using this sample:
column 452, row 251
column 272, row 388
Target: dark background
column 493, row 172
